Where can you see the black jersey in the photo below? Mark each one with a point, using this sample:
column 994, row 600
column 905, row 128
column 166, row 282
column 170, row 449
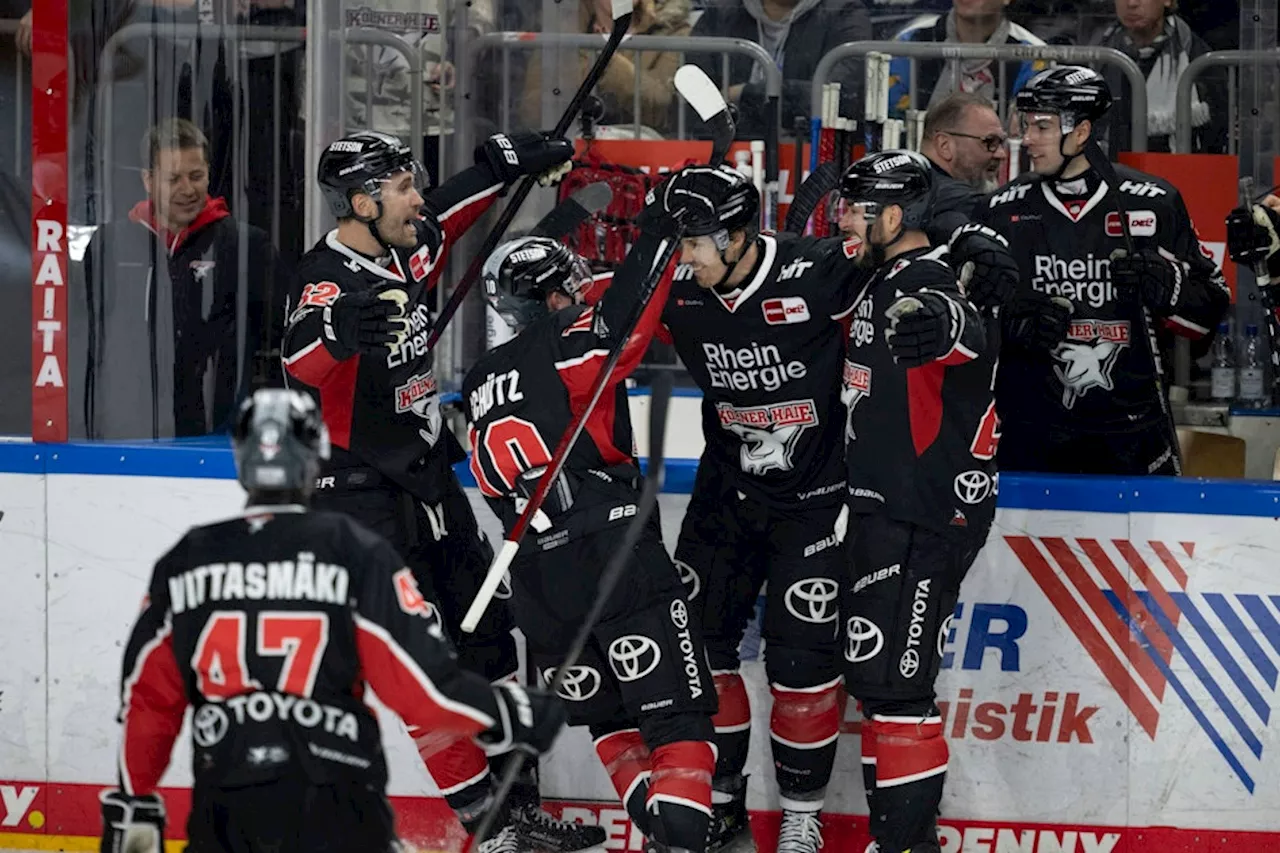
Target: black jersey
column 955, row 204
column 520, row 397
column 920, row 441
column 271, row 625
column 1102, row 377
column 383, row 410
column 768, row 363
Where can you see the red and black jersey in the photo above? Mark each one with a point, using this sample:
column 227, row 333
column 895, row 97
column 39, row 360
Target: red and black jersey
column 271, row 625
column 1102, row 377
column 383, row 410
column 767, row 359
column 921, row 441
column 520, row 397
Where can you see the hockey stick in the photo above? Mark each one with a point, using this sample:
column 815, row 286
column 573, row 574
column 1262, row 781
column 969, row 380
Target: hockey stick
column 704, row 97
column 817, row 186
column 565, row 217
column 622, row 10
column 659, row 402
column 1098, row 160
column 696, row 87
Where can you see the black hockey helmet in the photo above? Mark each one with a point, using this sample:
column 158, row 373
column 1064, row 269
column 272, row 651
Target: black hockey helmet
column 359, row 163
column 894, row 177
column 279, row 440
column 520, row 273
column 712, row 201
column 1073, row 92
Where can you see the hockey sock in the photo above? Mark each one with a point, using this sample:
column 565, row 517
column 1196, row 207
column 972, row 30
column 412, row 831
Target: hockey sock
column 733, row 724
column 911, row 766
column 626, row 759
column 869, row 764
column 804, row 727
column 525, row 791
column 680, row 792
column 461, row 772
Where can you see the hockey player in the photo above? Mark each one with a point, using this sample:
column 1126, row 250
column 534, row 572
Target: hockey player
column 271, row 626
column 642, row 685
column 920, row 441
column 357, row 336
column 1092, row 401
column 756, row 321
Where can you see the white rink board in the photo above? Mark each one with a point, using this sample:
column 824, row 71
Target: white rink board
column 1040, row 616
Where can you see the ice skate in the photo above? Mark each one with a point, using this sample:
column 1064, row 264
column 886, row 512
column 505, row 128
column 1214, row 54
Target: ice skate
column 537, row 828
column 801, row 832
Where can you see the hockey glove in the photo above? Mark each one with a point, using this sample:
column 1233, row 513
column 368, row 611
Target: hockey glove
column 1154, row 279
column 528, row 720
column 511, row 156
column 988, row 273
column 131, row 824
column 685, row 196
column 366, row 321
column 922, row 328
column 1253, row 238
column 1034, row 321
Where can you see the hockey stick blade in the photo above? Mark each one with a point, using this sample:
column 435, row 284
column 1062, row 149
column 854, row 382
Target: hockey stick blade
column 511, row 544
column 565, row 217
column 622, row 11
column 659, row 403
column 699, row 92
column 815, row 188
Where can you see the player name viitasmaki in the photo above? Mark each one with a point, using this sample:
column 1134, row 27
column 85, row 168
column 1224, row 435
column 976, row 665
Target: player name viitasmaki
column 303, row 579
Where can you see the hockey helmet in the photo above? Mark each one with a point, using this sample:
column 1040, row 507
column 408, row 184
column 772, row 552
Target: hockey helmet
column 520, row 273
column 359, row 163
column 894, row 177
column 279, row 440
column 712, row 201
column 1073, row 92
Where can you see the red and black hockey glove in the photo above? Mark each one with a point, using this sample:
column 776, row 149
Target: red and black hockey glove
column 1034, row 321
column 923, row 327
column 131, row 824
column 1154, row 279
column 987, row 271
column 366, row 321
column 511, row 156
column 528, row 720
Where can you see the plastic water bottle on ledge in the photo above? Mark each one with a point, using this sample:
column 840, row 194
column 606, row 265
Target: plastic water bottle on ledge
column 1253, row 382
column 1222, row 373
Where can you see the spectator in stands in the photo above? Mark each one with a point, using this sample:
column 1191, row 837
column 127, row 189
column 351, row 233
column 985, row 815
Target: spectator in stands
column 969, row 22
column 964, row 140
column 616, row 88
column 378, row 82
column 797, row 34
column 1163, row 45
column 177, row 309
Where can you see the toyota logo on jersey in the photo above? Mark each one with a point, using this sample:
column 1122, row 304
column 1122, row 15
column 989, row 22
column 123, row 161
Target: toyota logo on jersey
column 633, row 656
column 579, row 684
column 863, row 640
column 813, row 600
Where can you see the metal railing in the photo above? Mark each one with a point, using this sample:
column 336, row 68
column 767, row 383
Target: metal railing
column 1020, row 53
column 509, row 41
column 235, row 35
column 1187, row 80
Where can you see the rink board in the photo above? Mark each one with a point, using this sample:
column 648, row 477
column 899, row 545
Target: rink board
column 1109, row 675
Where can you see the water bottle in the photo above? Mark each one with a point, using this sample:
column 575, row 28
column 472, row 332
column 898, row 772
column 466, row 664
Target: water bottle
column 1253, row 388
column 1222, row 374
